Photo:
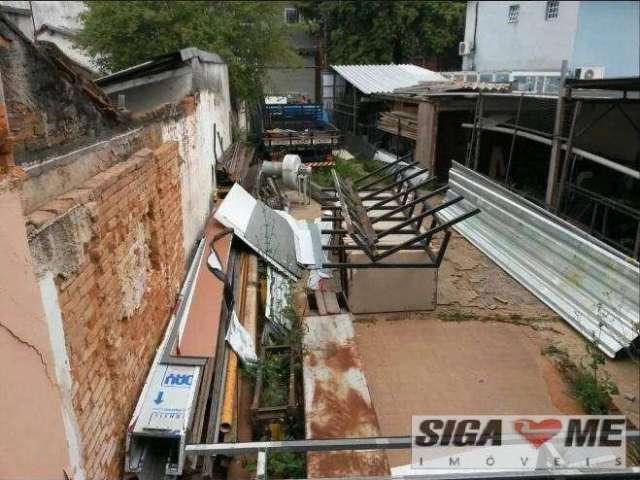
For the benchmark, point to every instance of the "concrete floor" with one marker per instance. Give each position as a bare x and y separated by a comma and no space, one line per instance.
478,352
422,366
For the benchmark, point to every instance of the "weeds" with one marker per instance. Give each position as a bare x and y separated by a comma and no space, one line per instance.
282,465
591,387
352,169
513,319
275,380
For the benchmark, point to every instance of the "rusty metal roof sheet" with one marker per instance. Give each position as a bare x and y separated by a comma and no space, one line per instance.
337,399
385,78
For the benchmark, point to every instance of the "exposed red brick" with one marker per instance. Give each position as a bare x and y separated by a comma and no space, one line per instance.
109,351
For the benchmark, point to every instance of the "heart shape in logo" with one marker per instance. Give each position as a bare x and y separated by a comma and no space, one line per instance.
537,433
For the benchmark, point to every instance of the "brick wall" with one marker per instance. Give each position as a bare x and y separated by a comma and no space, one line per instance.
49,112
117,298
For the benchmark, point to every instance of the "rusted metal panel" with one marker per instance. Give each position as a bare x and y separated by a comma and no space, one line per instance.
200,329
337,400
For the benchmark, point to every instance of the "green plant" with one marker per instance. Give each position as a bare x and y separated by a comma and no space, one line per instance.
346,169
592,388
404,30
281,465
275,380
247,35
286,465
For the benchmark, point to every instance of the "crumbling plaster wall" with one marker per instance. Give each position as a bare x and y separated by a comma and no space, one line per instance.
57,175
48,114
194,132
114,247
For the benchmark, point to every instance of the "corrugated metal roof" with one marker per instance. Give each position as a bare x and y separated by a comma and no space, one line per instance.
424,89
590,285
385,78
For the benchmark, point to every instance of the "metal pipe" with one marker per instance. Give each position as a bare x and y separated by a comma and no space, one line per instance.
581,153
513,141
429,212
420,171
323,445
428,234
567,157
399,194
410,204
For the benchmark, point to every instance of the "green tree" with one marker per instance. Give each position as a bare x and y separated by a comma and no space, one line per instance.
387,31
247,35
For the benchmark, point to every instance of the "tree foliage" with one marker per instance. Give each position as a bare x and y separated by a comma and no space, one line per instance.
247,35
387,31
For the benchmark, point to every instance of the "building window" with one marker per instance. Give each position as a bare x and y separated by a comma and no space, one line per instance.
514,12
291,15
552,10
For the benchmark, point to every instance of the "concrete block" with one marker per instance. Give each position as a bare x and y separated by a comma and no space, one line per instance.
378,290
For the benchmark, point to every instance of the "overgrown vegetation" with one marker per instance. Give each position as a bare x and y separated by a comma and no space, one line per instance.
351,169
247,35
590,386
405,31
275,371
282,465
275,380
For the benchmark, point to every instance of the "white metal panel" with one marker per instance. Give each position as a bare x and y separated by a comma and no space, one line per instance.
167,404
236,209
261,228
589,284
385,78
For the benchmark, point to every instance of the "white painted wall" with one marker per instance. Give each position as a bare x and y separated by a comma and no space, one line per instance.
532,43
53,315
56,13
194,134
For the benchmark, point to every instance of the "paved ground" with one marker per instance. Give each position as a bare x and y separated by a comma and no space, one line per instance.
478,352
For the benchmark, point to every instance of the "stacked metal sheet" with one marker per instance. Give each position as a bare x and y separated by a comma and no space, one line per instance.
592,286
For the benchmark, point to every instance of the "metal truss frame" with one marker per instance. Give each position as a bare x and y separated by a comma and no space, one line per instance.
351,218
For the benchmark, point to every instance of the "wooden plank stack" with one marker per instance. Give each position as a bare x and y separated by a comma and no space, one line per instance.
388,122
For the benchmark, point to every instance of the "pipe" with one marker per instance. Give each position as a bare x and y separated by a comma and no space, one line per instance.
231,378
582,153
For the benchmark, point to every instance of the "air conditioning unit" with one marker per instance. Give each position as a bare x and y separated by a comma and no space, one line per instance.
590,73
465,48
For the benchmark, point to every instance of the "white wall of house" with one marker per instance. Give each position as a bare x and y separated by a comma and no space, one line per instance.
194,134
59,14
531,43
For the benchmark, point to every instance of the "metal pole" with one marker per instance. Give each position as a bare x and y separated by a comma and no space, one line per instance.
470,144
476,157
355,109
398,141
567,156
261,467
323,445
513,140
554,160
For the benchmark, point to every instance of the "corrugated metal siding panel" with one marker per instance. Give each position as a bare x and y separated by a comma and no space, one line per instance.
591,286
385,78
